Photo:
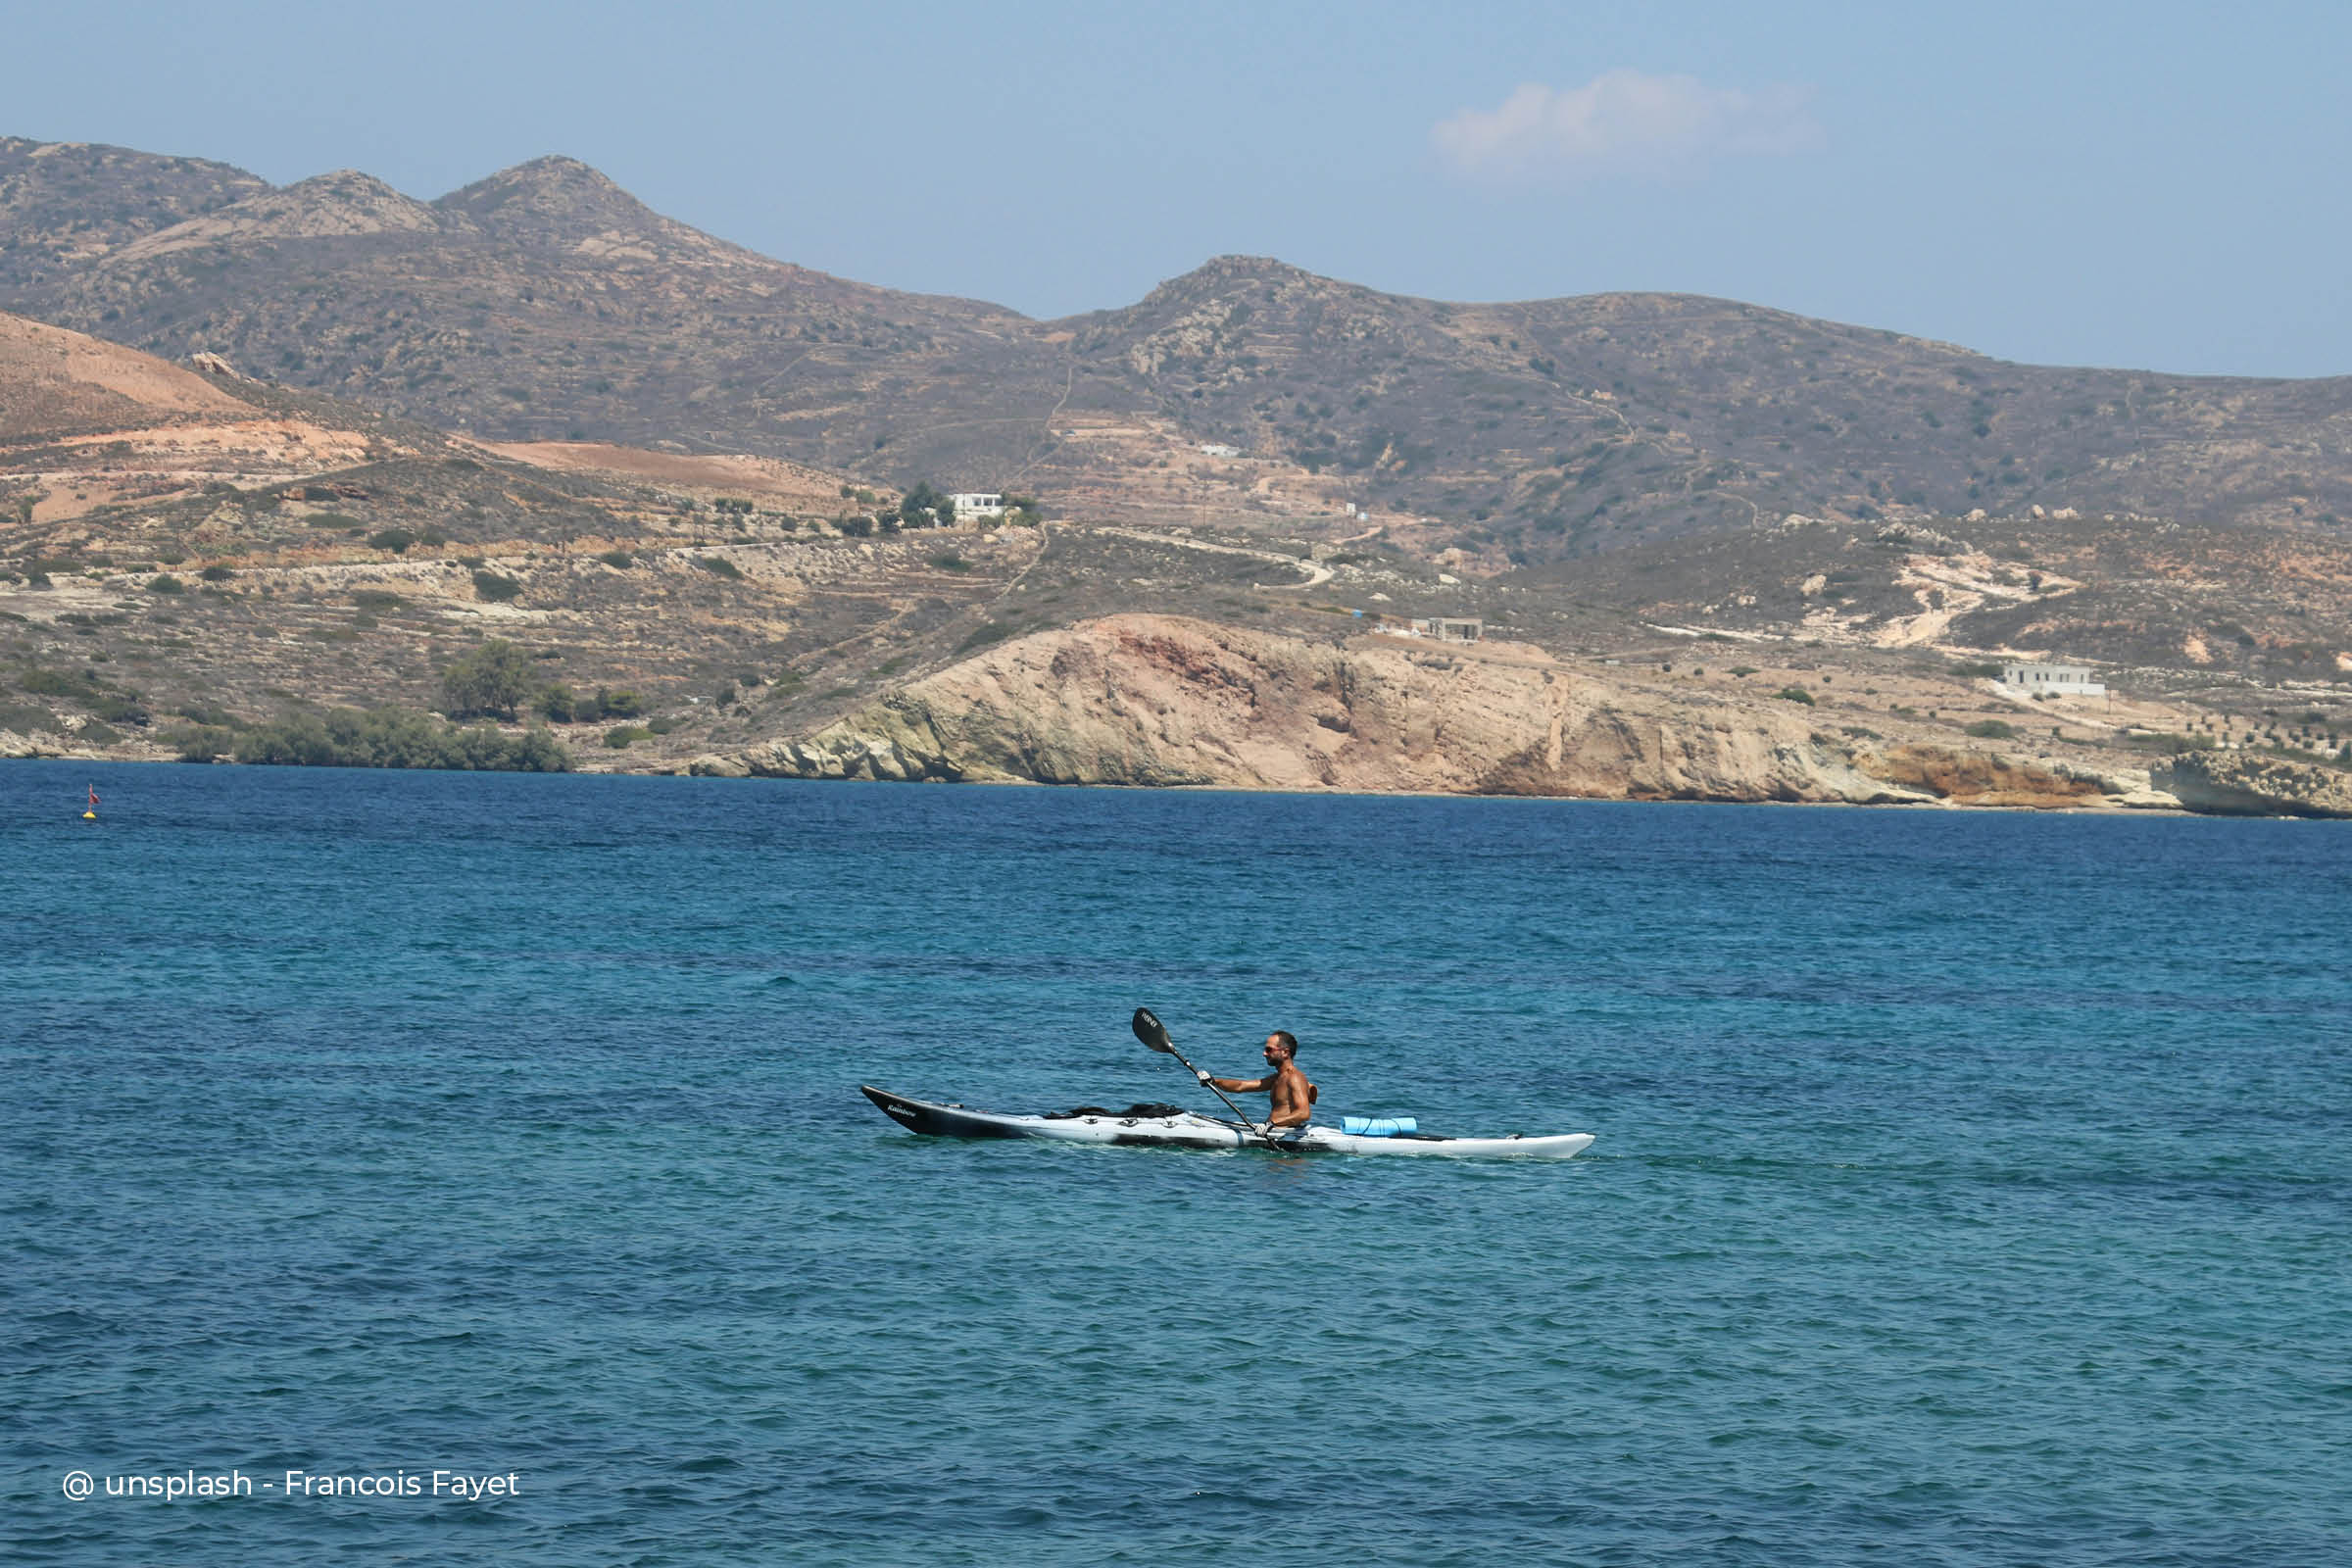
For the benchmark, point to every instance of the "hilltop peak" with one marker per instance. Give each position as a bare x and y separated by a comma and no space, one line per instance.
1260,279
344,202
1226,271
553,198
550,171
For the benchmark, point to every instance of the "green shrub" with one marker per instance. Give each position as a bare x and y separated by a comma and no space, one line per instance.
559,704
950,563
118,710
662,725
376,601
54,683
627,735
199,743
924,507
1992,729
622,704
494,588
617,560
719,566
163,582
217,572
96,734
395,540
1743,671
26,717
397,737
988,632
1794,694
494,678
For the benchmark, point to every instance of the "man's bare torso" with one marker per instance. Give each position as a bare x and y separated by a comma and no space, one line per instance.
1293,1096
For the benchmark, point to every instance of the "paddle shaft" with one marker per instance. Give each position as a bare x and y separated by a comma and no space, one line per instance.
1156,1037
1266,1132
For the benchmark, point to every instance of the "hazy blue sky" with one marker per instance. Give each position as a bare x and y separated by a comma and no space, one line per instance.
2150,184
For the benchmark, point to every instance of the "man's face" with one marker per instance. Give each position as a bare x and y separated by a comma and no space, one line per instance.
1276,1055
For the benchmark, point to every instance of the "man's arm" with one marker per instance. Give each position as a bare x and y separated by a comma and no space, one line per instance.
1240,1086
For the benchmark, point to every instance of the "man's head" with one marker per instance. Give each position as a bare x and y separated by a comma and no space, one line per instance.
1281,1047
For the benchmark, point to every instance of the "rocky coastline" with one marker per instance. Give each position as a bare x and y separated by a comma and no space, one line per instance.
1169,701
2250,784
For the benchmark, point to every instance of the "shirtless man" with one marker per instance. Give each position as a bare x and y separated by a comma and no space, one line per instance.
1294,1097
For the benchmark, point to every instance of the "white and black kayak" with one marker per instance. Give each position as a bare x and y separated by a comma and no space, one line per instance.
1168,1127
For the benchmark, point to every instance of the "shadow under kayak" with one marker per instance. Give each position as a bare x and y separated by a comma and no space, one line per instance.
1186,1130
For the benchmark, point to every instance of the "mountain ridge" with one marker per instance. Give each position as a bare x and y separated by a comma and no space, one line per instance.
544,302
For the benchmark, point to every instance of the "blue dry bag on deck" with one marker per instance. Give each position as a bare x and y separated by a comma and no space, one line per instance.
1378,1126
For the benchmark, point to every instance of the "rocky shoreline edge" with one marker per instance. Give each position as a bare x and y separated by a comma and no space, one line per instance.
1170,701
1167,702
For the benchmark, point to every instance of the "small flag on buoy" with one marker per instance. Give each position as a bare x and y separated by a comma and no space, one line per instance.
92,815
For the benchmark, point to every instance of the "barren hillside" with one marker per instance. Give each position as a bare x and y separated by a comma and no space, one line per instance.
544,302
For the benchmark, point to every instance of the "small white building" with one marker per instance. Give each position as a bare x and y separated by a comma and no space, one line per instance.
977,504
1219,449
2053,681
1443,628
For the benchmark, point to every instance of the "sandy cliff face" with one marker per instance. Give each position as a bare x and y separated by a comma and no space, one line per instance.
1156,700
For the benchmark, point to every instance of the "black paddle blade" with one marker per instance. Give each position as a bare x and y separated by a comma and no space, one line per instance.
1152,1032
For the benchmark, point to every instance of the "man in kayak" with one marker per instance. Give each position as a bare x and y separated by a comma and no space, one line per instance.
1294,1097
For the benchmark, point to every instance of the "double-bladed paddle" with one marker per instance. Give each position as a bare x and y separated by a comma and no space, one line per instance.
1152,1032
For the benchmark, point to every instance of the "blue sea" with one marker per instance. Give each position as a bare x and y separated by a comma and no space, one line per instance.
1969,1188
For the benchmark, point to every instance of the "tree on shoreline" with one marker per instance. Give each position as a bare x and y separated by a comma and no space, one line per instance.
494,679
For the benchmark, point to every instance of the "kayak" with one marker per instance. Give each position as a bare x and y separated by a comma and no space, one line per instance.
1169,1128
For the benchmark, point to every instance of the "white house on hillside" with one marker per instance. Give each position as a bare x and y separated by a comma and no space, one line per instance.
2053,681
977,504
1445,628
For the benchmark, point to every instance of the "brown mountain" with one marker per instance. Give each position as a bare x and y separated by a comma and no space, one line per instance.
545,303
63,205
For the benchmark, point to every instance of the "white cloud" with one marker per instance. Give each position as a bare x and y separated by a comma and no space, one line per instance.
1624,121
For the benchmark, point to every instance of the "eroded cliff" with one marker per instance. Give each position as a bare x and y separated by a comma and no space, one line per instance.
1161,700
2250,784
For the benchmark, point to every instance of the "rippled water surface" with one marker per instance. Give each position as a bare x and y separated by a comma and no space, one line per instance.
1969,1188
